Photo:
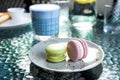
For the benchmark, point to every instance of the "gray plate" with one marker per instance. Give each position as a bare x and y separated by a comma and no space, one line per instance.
16,23
37,56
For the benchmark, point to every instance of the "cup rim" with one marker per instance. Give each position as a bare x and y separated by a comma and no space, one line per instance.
15,9
44,7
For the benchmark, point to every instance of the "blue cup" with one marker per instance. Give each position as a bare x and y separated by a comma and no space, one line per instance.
45,19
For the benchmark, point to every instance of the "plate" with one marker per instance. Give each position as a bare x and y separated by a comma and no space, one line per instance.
16,23
37,56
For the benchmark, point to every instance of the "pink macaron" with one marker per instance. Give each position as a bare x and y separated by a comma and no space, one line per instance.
77,49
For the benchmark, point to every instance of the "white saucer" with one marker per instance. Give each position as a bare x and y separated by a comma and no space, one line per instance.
37,56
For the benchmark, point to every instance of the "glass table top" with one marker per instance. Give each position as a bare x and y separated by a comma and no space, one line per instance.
15,64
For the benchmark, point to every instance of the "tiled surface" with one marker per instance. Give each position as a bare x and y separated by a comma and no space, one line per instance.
109,69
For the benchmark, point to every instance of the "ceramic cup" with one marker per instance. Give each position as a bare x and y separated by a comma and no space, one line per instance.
16,13
45,20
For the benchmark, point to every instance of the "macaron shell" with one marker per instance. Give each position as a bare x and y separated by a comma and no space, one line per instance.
85,47
57,53
74,50
56,49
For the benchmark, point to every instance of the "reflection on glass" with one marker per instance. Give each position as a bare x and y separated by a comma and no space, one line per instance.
82,17
80,31
82,11
112,19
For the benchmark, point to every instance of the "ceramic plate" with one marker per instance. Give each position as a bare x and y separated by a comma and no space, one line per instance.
16,23
37,56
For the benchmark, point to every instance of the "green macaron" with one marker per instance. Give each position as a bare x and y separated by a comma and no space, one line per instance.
56,52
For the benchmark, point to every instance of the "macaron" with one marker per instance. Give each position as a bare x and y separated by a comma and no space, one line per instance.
85,47
56,52
77,49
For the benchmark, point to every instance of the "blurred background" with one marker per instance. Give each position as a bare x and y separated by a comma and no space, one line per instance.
5,4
